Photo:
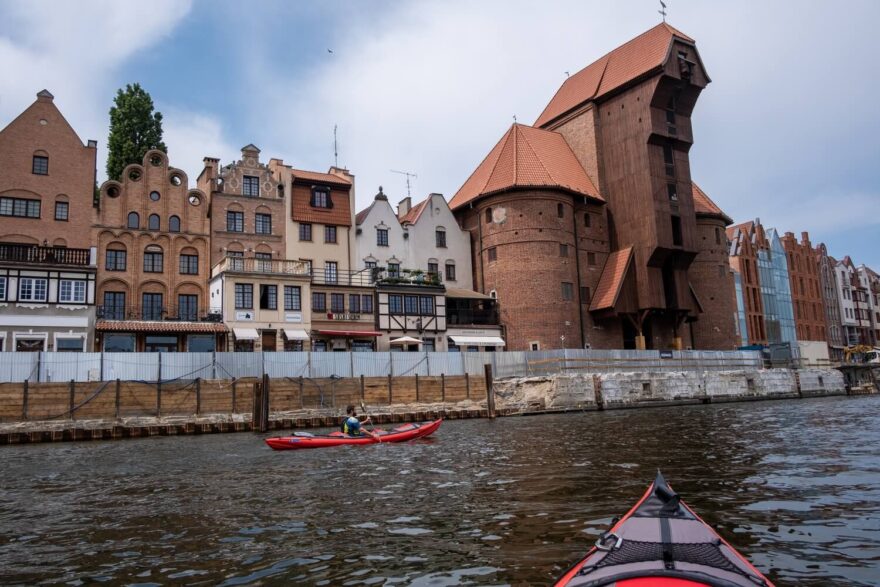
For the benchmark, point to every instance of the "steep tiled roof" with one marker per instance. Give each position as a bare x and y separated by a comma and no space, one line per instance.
611,280
527,157
147,326
362,215
317,176
704,205
623,65
413,215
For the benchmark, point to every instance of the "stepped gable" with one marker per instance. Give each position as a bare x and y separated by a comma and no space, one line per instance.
527,157
622,66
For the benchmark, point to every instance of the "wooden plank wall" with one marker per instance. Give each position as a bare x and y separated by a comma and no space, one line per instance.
112,399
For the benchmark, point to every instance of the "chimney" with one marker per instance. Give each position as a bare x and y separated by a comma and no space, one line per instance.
404,207
805,237
45,96
207,180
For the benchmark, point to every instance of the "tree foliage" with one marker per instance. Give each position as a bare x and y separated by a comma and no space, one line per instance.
134,129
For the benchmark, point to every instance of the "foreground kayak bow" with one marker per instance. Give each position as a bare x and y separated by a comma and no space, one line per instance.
661,542
399,434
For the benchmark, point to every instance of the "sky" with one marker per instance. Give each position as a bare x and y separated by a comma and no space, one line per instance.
788,131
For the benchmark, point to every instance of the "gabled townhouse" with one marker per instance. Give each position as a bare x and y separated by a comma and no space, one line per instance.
870,281
830,301
48,261
854,305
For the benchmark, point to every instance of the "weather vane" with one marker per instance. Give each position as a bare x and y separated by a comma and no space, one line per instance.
663,10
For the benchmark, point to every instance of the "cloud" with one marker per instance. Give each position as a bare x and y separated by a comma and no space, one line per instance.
192,136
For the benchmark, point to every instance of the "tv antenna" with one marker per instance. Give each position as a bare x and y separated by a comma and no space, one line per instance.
662,10
408,175
335,149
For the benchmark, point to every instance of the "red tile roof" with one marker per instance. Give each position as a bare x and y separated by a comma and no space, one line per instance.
415,212
362,215
704,205
303,175
146,326
611,280
527,157
621,66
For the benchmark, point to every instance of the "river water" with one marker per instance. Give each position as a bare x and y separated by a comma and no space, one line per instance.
794,485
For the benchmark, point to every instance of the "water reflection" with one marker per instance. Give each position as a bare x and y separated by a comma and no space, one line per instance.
795,485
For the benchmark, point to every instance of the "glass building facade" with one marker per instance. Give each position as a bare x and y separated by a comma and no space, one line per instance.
739,318
776,292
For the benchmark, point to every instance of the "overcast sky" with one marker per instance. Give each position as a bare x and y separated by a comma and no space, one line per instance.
788,130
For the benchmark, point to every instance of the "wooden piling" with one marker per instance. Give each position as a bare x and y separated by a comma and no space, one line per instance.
363,392
233,395
490,395
118,385
72,403
417,388
467,385
302,398
442,387
198,396
24,401
390,396
597,390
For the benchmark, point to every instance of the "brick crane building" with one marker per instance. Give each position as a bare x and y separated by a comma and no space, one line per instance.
594,210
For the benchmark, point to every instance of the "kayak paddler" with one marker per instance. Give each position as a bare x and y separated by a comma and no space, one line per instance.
352,425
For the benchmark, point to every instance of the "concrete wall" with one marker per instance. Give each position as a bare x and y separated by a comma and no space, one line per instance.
633,389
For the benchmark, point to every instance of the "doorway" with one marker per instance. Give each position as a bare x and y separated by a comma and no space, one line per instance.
269,338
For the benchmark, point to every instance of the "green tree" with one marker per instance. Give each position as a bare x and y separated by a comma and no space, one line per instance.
134,129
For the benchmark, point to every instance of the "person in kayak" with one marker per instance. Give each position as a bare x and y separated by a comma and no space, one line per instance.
352,425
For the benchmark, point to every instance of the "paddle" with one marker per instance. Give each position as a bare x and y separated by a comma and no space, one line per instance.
376,437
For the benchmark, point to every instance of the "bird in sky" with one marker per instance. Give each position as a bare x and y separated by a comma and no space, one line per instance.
329,50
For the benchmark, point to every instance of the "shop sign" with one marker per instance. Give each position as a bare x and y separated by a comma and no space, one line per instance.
296,317
344,316
244,316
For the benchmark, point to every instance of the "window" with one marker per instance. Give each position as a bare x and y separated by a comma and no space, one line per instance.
155,196
152,306
268,297
488,215
440,236
585,295
492,253
31,289
292,298
433,269
450,272
234,221
153,222
115,260
61,210
263,224
2,291
321,198
264,261
411,304
114,305
382,237
671,192
337,303
563,250
134,220
251,186
319,301
40,165
560,211
395,304
393,269
367,303
717,236
370,264
189,264
187,308
305,232
153,261
587,221
244,296
426,305
331,274
676,231
69,344
591,258
174,224
72,291
329,234
567,291
354,303
19,207
669,160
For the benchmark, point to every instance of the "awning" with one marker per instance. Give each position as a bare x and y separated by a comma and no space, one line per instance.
452,292
292,334
246,333
405,340
351,333
477,340
159,326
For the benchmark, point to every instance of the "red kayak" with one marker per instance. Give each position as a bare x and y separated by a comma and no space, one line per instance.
399,434
661,542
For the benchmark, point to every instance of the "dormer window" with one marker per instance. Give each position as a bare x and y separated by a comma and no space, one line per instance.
321,198
251,186
685,66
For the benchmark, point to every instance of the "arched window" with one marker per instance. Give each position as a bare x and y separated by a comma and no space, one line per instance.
154,222
153,259
134,220
450,270
174,224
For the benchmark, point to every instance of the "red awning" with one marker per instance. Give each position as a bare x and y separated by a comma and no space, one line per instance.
352,333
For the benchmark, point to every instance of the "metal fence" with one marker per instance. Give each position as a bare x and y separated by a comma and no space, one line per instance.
18,367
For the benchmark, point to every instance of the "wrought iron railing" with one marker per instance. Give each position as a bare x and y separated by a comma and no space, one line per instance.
182,313
19,253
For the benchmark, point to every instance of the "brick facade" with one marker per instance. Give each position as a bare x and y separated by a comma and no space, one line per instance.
806,291
744,260
712,281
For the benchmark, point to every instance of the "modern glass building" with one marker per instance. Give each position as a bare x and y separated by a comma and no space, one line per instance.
739,318
776,291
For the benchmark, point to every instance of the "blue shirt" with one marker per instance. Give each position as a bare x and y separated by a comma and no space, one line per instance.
353,426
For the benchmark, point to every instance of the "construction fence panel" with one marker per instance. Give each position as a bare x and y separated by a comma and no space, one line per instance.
408,364
187,366
239,365
330,365
131,366
371,364
70,366
19,367
286,364
449,364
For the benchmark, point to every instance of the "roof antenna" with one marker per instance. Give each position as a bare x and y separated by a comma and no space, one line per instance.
663,10
408,175
514,119
335,149
567,74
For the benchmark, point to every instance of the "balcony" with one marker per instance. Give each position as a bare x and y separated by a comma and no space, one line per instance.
37,255
266,266
467,312
407,277
159,313
360,278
